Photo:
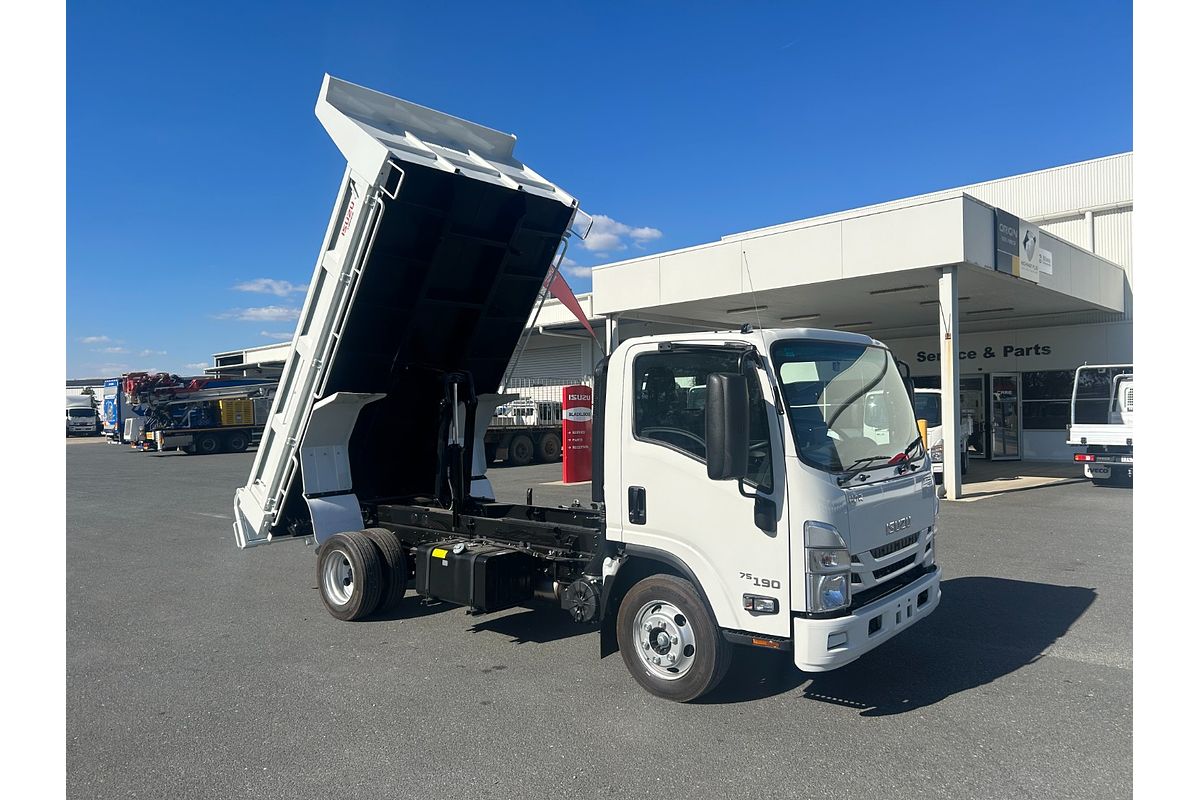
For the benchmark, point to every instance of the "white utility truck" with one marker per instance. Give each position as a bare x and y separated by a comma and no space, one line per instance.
760,514
1102,421
928,406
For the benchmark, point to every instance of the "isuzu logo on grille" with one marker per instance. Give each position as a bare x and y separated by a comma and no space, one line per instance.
897,525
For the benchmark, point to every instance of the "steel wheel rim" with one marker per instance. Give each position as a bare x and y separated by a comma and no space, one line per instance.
337,577
665,645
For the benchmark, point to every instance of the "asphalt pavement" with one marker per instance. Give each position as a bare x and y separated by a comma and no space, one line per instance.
195,670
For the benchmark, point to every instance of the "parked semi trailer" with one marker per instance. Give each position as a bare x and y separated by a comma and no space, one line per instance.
1102,421
736,498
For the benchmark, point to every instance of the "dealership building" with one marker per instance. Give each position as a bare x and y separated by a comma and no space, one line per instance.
1025,278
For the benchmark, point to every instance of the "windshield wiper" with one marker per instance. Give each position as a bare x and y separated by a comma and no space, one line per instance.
857,466
861,465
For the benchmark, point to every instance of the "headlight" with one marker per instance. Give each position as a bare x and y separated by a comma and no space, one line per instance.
828,592
827,564
935,452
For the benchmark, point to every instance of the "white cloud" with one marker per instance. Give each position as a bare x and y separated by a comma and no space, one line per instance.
608,235
262,314
109,350
95,339
281,336
271,286
198,365
148,353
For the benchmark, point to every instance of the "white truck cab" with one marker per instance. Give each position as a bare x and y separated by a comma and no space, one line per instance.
928,406
826,535
81,416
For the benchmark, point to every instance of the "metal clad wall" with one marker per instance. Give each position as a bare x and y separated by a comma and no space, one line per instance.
1114,238
1100,182
1074,230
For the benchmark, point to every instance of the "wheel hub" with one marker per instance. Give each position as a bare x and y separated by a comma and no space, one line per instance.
337,577
666,645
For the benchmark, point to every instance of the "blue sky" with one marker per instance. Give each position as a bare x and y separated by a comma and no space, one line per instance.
199,183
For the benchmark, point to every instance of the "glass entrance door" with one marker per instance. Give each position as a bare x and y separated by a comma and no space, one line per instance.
1005,393
970,392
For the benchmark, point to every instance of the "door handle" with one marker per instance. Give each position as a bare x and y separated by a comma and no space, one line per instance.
637,505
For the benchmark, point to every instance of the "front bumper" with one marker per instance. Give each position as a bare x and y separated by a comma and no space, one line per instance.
825,644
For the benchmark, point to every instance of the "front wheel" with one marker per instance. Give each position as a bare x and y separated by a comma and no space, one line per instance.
669,641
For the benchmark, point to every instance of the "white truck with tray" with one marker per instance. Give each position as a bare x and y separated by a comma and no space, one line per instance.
1102,421
737,498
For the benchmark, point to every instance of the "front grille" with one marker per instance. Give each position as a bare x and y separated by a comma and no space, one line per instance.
890,568
894,547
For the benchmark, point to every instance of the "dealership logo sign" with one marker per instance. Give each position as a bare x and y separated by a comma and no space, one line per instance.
578,414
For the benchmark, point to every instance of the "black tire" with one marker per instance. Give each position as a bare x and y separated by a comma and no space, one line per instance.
237,441
395,567
549,448
206,444
188,450
489,451
711,653
520,451
363,575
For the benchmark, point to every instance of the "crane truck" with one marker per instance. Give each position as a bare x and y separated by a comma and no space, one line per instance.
1102,421
737,499
202,415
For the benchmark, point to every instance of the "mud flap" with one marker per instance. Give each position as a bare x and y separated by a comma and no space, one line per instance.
325,464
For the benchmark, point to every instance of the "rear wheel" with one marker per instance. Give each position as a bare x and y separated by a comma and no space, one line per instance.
237,441
520,450
206,444
349,575
669,641
549,447
395,567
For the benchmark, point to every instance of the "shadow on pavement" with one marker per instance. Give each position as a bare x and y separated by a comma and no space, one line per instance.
538,625
984,629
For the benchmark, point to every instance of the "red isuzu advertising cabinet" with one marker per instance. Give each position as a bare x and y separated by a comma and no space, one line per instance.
577,434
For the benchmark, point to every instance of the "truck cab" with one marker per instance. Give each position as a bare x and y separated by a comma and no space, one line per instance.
803,505
81,420
928,406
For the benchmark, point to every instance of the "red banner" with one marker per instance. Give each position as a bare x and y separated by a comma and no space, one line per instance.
577,434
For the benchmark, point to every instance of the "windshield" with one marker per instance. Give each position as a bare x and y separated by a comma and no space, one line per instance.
928,408
80,412
846,402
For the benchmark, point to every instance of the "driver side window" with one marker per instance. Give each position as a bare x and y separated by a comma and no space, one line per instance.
669,400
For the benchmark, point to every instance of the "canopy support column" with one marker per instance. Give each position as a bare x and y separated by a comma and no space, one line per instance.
951,411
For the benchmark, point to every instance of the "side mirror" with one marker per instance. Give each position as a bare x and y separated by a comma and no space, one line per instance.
727,426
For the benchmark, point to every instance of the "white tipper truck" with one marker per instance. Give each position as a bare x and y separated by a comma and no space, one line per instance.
763,516
1102,421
